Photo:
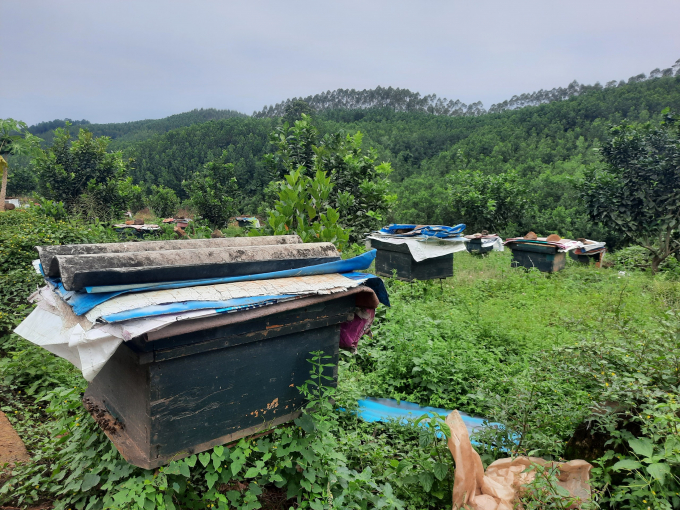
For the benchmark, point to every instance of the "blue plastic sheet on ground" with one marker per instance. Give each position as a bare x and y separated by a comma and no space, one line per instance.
231,305
386,409
83,302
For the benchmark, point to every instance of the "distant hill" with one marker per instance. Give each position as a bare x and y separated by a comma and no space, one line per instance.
124,133
403,100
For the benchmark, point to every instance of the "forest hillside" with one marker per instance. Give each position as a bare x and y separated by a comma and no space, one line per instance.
534,145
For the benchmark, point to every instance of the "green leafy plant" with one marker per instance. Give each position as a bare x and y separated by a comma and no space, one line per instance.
302,209
213,191
163,201
83,174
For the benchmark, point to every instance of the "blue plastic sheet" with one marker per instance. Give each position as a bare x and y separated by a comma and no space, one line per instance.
440,231
231,305
83,302
386,409
374,283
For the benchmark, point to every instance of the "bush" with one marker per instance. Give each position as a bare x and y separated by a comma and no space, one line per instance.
163,201
213,191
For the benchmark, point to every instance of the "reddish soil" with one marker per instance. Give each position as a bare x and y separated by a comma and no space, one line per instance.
12,448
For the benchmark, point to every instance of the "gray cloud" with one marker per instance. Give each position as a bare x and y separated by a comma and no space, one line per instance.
112,61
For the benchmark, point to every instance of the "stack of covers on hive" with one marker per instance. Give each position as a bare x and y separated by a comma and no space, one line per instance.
584,246
486,240
423,241
98,296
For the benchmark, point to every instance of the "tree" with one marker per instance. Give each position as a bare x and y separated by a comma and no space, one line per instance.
487,202
163,201
15,139
213,191
360,187
83,174
294,110
637,191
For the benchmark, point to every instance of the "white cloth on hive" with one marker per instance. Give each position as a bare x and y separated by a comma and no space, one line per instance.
428,248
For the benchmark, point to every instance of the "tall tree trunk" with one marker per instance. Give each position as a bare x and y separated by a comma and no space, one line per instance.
3,190
656,260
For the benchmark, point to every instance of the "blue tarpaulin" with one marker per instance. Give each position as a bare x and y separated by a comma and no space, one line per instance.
231,305
386,409
440,231
83,302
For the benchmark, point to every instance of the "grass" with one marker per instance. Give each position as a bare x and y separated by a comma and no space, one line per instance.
539,353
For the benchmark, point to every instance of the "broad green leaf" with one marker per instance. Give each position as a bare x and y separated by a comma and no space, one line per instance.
643,447
204,458
628,464
252,472
89,481
659,470
184,469
211,478
440,470
426,480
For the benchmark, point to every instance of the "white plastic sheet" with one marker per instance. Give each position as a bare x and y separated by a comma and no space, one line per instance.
423,249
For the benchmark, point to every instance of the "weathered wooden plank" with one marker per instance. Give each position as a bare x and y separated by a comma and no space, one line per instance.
78,271
222,342
299,319
118,400
47,254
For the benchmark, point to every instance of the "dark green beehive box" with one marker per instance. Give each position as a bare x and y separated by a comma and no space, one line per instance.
475,247
543,257
390,257
163,399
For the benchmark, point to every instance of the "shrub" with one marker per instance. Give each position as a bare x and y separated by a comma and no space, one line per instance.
163,201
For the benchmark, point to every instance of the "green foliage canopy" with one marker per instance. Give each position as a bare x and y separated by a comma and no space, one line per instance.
360,190
488,202
82,172
637,192
213,191
163,201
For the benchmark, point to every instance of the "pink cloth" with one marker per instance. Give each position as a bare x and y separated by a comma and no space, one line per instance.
352,331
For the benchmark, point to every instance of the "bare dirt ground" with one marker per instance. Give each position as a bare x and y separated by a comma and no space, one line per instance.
12,448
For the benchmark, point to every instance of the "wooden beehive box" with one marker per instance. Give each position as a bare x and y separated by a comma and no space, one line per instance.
168,398
475,246
543,257
390,257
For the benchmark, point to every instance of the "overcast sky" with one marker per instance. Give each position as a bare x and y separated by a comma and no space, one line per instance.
120,60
